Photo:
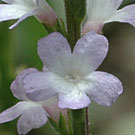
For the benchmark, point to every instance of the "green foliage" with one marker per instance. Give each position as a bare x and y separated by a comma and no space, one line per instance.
62,126
53,124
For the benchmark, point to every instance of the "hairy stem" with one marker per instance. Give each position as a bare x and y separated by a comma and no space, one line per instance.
73,23
78,121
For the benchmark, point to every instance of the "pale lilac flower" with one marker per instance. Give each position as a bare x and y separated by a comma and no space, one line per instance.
72,76
22,9
100,12
32,114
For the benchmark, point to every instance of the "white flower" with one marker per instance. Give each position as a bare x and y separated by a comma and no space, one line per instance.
71,76
100,12
22,9
32,114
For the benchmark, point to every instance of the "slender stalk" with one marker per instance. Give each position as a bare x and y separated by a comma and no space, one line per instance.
78,121
87,122
73,26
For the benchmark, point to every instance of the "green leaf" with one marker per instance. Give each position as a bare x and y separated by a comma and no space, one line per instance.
53,124
62,126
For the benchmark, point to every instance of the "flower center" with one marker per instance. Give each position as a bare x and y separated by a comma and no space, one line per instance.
72,79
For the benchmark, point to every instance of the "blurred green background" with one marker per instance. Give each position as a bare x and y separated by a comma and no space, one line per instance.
18,50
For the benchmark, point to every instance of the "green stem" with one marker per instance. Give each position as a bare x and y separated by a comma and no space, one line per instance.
87,123
78,121
73,26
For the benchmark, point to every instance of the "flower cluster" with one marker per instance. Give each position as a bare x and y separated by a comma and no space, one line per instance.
22,9
32,114
69,79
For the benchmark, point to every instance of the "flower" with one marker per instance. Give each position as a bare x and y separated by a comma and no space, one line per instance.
32,114
100,12
71,76
22,9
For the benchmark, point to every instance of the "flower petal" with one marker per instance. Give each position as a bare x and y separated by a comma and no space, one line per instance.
51,48
45,69
34,117
32,12
103,4
39,85
98,12
106,88
51,105
91,50
12,11
116,3
73,100
60,12
125,15
45,13
17,87
11,113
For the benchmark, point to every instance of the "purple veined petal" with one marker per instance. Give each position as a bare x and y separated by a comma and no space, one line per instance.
35,117
11,113
12,11
124,15
22,9
39,85
106,88
17,87
91,50
31,13
52,104
32,116
52,49
73,100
